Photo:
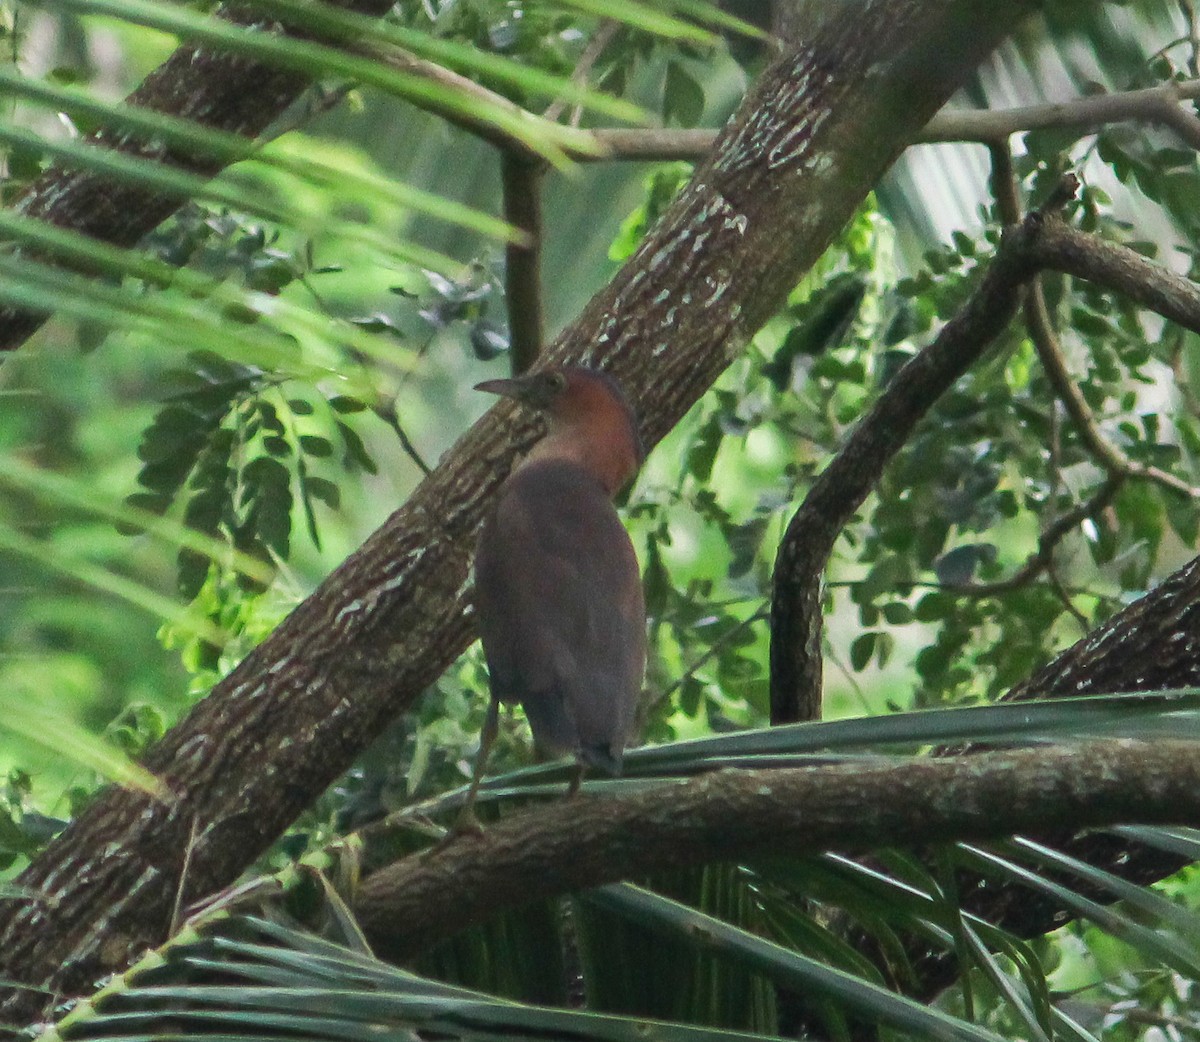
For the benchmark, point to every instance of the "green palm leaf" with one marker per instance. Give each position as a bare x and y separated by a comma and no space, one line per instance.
897,735
287,984
784,967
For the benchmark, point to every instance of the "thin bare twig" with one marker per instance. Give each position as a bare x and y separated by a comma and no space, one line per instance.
713,650
390,416
601,38
1042,558
1107,454
1064,596
181,886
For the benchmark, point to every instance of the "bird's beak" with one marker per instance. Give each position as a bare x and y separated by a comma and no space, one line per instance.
510,388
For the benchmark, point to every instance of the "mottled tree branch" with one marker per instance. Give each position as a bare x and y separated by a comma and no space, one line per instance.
740,815
812,138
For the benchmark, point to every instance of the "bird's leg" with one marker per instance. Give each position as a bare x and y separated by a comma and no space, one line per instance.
577,773
467,821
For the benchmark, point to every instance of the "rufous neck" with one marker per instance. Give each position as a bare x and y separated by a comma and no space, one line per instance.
609,454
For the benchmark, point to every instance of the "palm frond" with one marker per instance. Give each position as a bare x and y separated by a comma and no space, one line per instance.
62,493
171,182
1182,841
898,735
279,982
184,322
316,170
1182,924
137,594
551,140
1170,951
645,17
29,713
786,968
710,14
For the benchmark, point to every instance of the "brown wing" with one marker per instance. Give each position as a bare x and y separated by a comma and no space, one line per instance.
560,611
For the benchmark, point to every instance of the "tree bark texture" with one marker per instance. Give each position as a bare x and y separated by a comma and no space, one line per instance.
219,91
811,139
743,815
1152,645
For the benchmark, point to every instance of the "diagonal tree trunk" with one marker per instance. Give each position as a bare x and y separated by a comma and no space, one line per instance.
810,141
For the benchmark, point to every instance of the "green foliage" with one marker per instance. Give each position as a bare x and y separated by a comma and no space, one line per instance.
661,186
229,446
267,371
760,946
23,831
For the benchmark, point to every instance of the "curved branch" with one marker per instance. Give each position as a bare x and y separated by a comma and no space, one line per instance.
796,617
1039,243
1107,455
1043,557
581,842
809,142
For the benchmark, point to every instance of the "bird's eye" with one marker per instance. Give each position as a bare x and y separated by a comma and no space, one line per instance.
556,381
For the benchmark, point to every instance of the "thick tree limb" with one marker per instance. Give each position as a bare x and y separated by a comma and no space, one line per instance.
811,139
218,91
1039,243
1152,645
740,815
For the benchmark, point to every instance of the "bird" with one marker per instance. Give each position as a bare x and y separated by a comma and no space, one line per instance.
558,595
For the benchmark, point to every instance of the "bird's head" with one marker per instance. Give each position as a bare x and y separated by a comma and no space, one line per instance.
588,418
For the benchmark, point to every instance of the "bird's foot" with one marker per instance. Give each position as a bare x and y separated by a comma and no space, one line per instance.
577,773
466,824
